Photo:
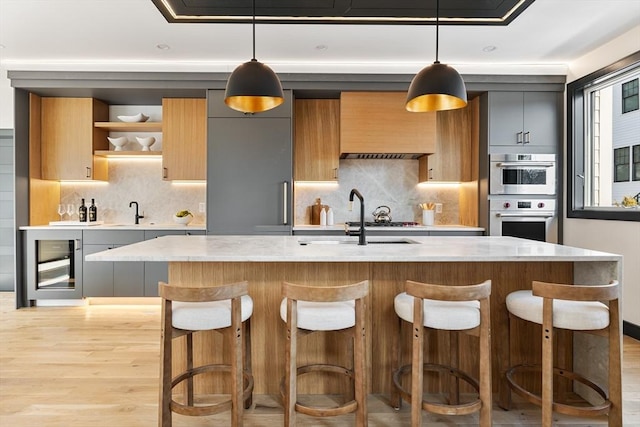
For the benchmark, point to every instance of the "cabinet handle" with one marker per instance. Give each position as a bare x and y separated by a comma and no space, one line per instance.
165,173
285,189
76,244
431,173
519,138
88,172
335,173
527,137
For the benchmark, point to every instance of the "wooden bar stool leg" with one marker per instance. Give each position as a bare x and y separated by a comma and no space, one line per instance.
290,364
164,415
454,382
247,357
504,363
188,392
547,362
351,358
417,360
396,363
615,368
360,366
237,381
485,364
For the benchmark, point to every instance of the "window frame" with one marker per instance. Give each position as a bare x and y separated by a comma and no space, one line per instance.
623,153
634,95
576,145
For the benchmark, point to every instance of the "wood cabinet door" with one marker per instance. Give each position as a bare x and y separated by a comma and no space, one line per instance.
377,122
68,138
184,138
316,139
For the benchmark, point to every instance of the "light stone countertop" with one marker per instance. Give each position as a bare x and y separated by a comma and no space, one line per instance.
340,227
147,226
288,249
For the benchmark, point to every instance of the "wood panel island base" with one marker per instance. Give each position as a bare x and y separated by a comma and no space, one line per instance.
266,261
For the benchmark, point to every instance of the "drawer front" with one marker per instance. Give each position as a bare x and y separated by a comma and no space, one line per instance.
113,237
152,234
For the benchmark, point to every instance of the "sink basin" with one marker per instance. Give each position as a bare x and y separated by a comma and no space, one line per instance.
352,241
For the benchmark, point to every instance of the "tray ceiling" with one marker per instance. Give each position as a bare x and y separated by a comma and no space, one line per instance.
475,12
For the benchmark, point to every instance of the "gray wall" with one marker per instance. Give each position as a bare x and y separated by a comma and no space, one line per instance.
7,243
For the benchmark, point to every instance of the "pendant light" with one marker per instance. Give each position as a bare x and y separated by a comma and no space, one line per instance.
438,86
253,87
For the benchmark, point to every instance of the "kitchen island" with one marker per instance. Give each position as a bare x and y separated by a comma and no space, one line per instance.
265,261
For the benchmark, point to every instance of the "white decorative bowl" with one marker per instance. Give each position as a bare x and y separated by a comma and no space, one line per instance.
132,119
146,142
118,142
184,220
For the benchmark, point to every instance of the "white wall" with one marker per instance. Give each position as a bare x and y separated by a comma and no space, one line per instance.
6,101
621,237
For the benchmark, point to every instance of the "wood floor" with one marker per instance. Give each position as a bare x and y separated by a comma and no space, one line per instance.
98,366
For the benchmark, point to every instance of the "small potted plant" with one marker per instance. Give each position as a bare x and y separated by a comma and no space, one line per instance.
183,217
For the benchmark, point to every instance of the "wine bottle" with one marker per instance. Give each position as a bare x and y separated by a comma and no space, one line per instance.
82,212
93,211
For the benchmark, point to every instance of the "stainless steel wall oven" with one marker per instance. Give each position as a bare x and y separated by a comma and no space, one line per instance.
534,219
520,174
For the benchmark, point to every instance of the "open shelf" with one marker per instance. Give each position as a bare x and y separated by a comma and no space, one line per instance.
113,153
130,127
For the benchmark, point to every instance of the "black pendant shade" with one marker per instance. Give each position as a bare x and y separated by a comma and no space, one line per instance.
438,86
253,87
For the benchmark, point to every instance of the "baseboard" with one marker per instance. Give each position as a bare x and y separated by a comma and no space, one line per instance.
631,330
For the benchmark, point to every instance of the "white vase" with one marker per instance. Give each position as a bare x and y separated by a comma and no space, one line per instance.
427,217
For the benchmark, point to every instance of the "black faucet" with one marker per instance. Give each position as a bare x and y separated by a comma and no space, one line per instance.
137,216
362,240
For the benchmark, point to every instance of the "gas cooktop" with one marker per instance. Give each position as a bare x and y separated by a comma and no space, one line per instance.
383,224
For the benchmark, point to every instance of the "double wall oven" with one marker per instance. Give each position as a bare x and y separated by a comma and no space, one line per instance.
522,196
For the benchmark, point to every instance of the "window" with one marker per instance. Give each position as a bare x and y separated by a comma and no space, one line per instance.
636,163
603,143
630,96
621,164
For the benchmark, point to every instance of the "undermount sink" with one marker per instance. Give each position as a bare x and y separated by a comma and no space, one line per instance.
352,241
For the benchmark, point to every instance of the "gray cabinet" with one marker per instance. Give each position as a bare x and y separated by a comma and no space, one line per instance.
157,271
249,172
108,279
525,119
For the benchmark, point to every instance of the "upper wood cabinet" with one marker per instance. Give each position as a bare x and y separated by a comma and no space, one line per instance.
316,139
456,154
184,138
377,122
68,139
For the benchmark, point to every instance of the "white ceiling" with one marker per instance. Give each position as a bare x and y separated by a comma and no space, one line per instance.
124,35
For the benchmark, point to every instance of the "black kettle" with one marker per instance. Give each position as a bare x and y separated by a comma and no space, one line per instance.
382,214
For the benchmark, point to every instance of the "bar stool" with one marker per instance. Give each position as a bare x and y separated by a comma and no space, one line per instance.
224,309
575,308
308,309
455,309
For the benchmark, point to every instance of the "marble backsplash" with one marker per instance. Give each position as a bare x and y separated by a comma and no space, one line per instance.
393,183
137,180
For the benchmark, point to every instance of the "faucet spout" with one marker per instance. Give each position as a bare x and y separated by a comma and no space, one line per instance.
137,221
362,240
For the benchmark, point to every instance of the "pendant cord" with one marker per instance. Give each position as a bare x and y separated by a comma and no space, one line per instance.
254,30
437,27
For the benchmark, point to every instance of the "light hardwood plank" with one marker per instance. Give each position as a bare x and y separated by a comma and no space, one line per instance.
98,366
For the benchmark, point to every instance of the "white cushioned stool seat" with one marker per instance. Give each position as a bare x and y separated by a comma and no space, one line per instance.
202,316
574,315
444,315
322,316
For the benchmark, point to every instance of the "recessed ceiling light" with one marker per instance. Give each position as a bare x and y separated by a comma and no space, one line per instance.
163,46
489,48
322,47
